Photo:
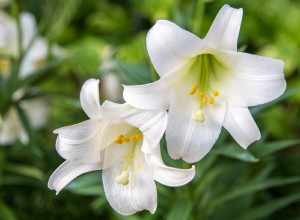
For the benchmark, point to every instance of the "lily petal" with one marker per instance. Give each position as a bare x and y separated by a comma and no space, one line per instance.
68,171
89,98
240,124
150,96
170,46
190,139
28,26
36,54
166,175
252,80
110,132
80,142
140,192
8,34
152,123
224,31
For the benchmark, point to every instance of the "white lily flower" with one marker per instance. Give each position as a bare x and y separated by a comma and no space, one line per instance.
36,109
11,127
9,43
123,142
206,84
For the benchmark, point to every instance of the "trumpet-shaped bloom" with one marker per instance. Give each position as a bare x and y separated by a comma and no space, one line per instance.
11,127
206,84
123,142
9,43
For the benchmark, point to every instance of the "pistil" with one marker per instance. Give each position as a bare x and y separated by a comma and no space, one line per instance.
123,178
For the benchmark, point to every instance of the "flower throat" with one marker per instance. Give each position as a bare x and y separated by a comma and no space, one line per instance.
133,136
203,89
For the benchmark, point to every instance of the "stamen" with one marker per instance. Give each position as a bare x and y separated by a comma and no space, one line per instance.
123,178
136,137
211,100
204,100
193,90
118,141
125,139
216,93
201,94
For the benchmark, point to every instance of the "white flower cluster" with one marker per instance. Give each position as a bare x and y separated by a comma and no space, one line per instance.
205,84
36,110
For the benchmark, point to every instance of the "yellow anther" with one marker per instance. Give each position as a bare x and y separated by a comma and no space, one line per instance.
133,138
120,137
204,100
211,100
118,141
193,90
138,136
216,93
125,139
201,94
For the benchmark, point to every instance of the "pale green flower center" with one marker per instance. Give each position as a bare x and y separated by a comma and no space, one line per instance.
204,67
4,66
133,136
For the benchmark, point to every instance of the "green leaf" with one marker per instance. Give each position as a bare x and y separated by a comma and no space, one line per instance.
262,150
236,152
252,187
26,171
180,210
6,213
135,73
264,211
85,56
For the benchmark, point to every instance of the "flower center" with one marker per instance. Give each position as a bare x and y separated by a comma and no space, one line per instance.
205,92
133,136
4,66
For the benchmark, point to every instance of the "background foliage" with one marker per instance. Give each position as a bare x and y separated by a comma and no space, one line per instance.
108,37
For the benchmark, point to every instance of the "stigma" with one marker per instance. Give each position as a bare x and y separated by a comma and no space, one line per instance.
123,178
198,116
204,99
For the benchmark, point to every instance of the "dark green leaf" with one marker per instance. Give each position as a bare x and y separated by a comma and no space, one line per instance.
180,210
252,187
236,152
6,213
263,211
262,150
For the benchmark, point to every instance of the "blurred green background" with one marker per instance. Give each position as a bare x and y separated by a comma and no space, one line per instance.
106,39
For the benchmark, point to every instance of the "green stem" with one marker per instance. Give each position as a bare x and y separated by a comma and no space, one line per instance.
199,6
